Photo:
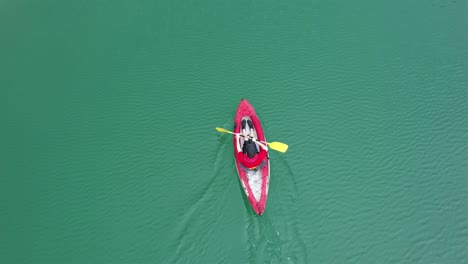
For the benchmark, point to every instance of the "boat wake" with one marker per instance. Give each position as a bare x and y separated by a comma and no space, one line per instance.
275,237
196,215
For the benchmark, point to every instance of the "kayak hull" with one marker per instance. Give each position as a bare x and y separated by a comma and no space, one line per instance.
254,174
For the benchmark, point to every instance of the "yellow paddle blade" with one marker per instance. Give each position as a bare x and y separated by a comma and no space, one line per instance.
222,130
281,147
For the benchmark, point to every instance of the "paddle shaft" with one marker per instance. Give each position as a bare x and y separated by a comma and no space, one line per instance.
255,139
281,147
239,134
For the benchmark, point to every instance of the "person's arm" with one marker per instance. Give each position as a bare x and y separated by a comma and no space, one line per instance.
238,144
261,144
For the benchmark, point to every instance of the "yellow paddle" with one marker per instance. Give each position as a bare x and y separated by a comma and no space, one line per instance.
281,147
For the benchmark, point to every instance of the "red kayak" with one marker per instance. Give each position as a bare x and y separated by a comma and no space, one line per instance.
253,166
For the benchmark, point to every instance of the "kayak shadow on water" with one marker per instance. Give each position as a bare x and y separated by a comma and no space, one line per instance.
221,158
290,173
223,139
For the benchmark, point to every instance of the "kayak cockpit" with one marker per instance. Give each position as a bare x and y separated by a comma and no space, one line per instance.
254,161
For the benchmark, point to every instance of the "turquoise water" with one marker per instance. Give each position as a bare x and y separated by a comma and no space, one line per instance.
110,153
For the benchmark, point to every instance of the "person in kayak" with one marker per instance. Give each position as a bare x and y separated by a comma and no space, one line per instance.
249,148
250,142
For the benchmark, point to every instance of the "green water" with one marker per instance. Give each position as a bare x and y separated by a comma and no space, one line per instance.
109,152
